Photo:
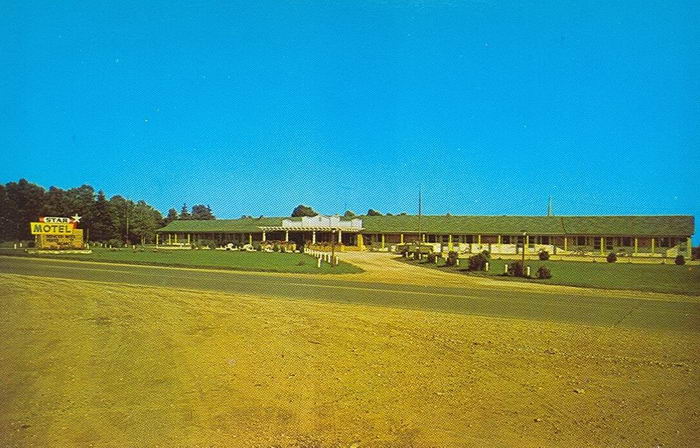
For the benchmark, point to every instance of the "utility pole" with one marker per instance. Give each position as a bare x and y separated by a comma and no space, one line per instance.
126,212
420,213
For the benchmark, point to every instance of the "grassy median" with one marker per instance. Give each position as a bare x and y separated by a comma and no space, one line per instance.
663,278
218,259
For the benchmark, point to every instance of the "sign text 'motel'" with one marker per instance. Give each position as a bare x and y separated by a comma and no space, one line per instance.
42,228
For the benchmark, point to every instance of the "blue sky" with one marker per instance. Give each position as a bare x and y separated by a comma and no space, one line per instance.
255,107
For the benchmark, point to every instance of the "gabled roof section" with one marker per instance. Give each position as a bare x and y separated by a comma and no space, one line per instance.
675,225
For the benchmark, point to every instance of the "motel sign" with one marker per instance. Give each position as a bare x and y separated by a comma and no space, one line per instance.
56,233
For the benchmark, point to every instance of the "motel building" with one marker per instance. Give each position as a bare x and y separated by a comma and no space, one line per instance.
633,236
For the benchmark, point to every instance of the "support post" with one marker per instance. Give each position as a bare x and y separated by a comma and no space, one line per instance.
340,236
382,241
170,238
499,240
602,245
175,238
402,238
566,243
449,242
636,245
250,239
156,240
264,236
527,243
689,249
478,239
189,238
360,241
653,245
313,237
286,235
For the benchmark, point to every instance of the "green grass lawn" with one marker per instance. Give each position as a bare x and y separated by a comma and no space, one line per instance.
667,278
219,259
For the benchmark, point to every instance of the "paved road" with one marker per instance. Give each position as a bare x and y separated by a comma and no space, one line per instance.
588,307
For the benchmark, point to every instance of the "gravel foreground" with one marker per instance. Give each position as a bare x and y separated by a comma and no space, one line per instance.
95,364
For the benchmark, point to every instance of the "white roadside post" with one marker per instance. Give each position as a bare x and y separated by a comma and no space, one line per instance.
318,263
505,268
486,266
527,271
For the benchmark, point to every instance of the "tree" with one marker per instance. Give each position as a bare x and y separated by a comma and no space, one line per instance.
102,228
202,212
121,210
81,201
172,216
26,201
184,213
372,212
7,230
56,203
349,214
303,210
144,222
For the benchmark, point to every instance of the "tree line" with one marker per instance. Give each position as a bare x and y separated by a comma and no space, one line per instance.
115,220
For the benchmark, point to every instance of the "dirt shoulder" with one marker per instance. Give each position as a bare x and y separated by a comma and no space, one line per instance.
117,365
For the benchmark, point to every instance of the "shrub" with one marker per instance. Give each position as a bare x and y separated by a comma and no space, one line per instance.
486,254
544,272
432,258
478,262
680,260
544,255
114,243
612,257
451,258
517,269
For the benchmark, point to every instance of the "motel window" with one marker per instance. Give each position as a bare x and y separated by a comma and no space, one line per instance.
667,242
505,239
596,242
580,240
467,238
609,241
544,240
626,241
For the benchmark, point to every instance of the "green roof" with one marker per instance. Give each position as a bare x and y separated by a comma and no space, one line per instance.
540,225
485,225
222,225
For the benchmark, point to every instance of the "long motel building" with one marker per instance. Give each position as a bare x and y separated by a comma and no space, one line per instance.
635,236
